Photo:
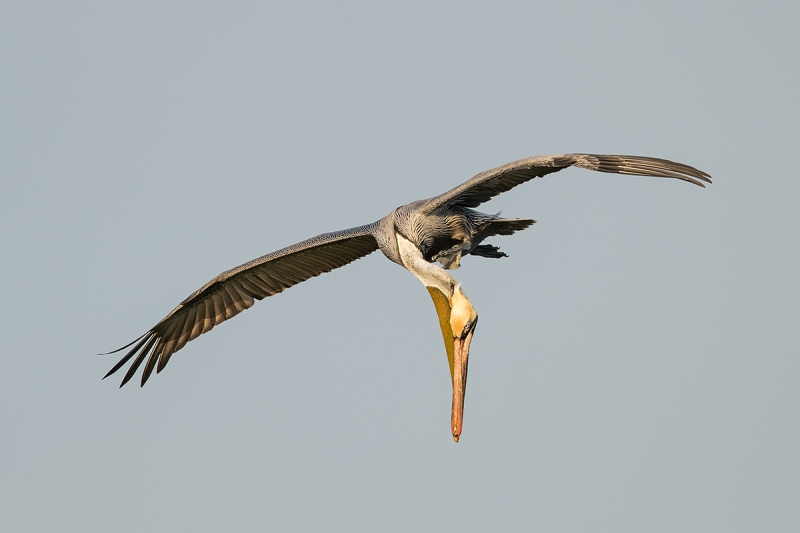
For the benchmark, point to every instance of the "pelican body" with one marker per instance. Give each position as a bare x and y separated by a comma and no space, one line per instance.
416,236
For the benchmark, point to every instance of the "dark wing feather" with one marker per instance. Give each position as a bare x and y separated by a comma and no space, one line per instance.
233,291
489,184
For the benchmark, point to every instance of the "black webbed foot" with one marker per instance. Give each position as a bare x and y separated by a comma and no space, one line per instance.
487,250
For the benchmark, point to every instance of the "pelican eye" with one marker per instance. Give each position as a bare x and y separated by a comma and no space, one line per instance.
468,327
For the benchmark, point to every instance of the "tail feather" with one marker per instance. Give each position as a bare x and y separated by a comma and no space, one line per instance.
506,226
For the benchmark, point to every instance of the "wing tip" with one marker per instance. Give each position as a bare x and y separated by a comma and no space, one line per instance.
134,341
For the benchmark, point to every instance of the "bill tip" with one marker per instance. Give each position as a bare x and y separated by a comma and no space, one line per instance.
455,437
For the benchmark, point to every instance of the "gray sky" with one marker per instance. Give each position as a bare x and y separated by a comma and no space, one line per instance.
636,363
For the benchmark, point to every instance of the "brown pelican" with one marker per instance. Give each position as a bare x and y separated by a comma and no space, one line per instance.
440,230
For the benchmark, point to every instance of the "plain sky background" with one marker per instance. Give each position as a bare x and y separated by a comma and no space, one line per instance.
637,362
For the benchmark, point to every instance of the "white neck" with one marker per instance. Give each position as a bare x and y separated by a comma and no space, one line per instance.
429,274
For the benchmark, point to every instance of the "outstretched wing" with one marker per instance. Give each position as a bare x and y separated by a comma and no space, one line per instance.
233,291
489,184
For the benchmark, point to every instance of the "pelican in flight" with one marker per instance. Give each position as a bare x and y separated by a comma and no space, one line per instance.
416,236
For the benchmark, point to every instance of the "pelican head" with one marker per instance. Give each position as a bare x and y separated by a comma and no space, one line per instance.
463,319
457,319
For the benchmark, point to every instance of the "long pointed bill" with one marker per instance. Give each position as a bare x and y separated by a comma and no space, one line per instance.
457,346
460,364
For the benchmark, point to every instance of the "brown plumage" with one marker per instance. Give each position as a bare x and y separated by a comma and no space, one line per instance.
443,229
